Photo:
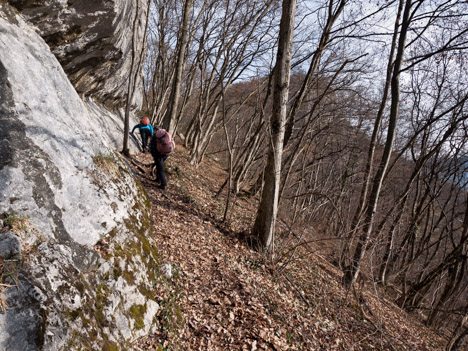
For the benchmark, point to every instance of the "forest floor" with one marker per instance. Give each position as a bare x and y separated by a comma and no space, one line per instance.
223,295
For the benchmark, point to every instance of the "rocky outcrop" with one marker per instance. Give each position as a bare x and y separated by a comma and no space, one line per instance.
92,40
77,268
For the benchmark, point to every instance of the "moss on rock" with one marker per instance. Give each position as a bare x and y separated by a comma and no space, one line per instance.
138,314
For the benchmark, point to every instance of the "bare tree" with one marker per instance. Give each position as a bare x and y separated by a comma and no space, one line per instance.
264,227
352,272
170,119
160,63
377,123
134,73
223,53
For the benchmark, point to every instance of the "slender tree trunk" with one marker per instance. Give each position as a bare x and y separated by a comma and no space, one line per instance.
333,14
453,282
131,85
170,119
134,72
230,154
353,270
264,227
373,142
454,257
460,333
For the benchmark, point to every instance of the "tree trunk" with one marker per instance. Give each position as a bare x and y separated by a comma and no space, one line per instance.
460,333
333,15
353,270
264,227
378,121
134,72
131,85
170,119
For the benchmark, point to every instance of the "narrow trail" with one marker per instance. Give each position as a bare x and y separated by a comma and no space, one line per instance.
224,296
219,307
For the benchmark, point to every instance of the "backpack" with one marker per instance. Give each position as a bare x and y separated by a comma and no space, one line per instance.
144,121
162,142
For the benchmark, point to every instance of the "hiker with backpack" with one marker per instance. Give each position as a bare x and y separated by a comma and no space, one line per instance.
161,146
146,131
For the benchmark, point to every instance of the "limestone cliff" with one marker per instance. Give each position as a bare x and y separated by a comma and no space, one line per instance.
92,41
75,263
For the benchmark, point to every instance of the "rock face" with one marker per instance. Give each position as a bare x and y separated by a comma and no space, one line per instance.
74,220
92,40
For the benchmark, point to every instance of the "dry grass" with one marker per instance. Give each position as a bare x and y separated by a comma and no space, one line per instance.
17,223
107,164
9,265
8,272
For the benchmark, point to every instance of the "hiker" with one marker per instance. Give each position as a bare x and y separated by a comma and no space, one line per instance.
161,146
146,131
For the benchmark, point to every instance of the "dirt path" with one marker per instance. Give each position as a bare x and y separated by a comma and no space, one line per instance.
219,307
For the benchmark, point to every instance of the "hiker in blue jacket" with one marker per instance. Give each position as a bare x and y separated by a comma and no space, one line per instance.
146,131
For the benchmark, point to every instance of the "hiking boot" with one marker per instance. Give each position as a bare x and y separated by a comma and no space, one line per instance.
162,187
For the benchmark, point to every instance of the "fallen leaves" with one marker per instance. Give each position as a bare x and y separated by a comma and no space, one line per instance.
231,298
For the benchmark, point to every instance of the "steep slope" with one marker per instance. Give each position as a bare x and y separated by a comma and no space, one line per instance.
224,296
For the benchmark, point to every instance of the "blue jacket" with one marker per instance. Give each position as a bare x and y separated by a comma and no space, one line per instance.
141,126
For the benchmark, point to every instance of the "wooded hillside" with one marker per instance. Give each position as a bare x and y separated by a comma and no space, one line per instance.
343,121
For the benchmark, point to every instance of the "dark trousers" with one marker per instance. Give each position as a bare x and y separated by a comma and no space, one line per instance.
160,175
145,134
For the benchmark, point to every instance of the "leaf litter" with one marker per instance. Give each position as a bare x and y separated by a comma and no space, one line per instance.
226,296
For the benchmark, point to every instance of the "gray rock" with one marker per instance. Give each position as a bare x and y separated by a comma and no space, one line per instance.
92,41
72,292
22,311
10,245
167,270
